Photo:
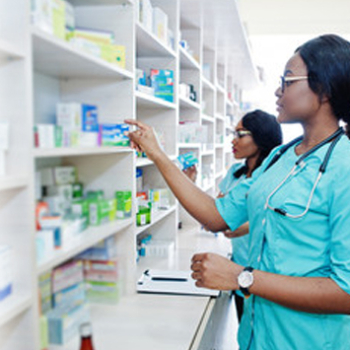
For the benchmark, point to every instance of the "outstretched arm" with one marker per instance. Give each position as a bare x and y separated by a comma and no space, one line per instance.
200,205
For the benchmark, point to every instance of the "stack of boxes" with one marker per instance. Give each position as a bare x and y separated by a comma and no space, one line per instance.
149,202
57,18
77,126
100,44
160,83
69,307
65,292
63,212
5,272
155,21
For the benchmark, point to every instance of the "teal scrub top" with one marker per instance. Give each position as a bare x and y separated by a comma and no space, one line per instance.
315,245
240,245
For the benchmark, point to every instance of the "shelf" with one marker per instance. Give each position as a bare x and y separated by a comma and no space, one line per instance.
189,145
207,84
148,101
14,305
220,117
219,145
220,89
207,118
89,238
55,57
219,174
207,153
12,182
186,103
78,151
157,217
187,61
8,50
141,162
148,45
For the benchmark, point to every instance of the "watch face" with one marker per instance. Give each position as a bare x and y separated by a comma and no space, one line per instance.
245,279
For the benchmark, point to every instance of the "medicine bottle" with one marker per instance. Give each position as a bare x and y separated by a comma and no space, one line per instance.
86,336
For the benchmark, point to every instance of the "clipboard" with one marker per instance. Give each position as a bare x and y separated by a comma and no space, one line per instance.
171,282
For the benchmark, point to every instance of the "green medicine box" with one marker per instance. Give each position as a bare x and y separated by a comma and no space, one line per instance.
124,204
101,211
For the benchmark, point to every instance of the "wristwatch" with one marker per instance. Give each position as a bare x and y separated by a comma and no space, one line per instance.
245,280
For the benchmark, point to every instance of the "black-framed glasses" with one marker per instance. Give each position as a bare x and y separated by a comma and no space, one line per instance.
289,80
238,134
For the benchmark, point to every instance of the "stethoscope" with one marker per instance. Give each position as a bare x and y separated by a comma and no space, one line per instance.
300,163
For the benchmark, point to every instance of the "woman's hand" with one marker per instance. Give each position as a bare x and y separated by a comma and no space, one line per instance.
144,139
191,173
215,272
241,231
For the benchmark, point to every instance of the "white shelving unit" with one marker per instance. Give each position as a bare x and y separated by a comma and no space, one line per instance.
38,70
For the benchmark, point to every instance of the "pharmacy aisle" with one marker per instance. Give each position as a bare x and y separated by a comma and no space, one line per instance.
81,214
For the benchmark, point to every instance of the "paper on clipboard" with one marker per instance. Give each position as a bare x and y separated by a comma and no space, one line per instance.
171,282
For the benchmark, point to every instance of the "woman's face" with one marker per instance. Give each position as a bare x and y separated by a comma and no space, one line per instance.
243,145
297,102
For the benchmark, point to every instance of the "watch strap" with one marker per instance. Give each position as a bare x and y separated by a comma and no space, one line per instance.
245,291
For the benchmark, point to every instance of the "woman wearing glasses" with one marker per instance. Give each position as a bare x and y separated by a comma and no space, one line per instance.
297,280
255,136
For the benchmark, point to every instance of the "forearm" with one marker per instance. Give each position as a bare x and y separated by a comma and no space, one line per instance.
200,205
307,294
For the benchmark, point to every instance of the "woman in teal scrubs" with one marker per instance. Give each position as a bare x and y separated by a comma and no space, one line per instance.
298,206
255,136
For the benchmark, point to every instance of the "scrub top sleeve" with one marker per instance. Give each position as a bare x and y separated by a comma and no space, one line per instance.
340,230
233,207
224,185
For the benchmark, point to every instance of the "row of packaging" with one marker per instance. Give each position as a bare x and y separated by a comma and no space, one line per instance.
157,82
58,18
78,124
155,21
193,132
64,210
65,292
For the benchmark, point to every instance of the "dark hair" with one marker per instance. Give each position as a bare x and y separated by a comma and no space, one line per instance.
327,59
266,133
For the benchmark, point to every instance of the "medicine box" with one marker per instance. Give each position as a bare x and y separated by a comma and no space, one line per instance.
162,80
67,275
104,250
101,211
114,135
160,24
77,116
64,325
160,248
69,298
124,204
186,160
59,18
146,14
45,292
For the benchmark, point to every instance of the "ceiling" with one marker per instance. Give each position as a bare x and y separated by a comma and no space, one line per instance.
295,17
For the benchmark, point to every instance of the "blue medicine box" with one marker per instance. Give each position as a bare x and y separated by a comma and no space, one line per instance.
162,80
89,118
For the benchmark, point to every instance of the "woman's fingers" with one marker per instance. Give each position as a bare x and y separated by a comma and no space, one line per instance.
137,123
